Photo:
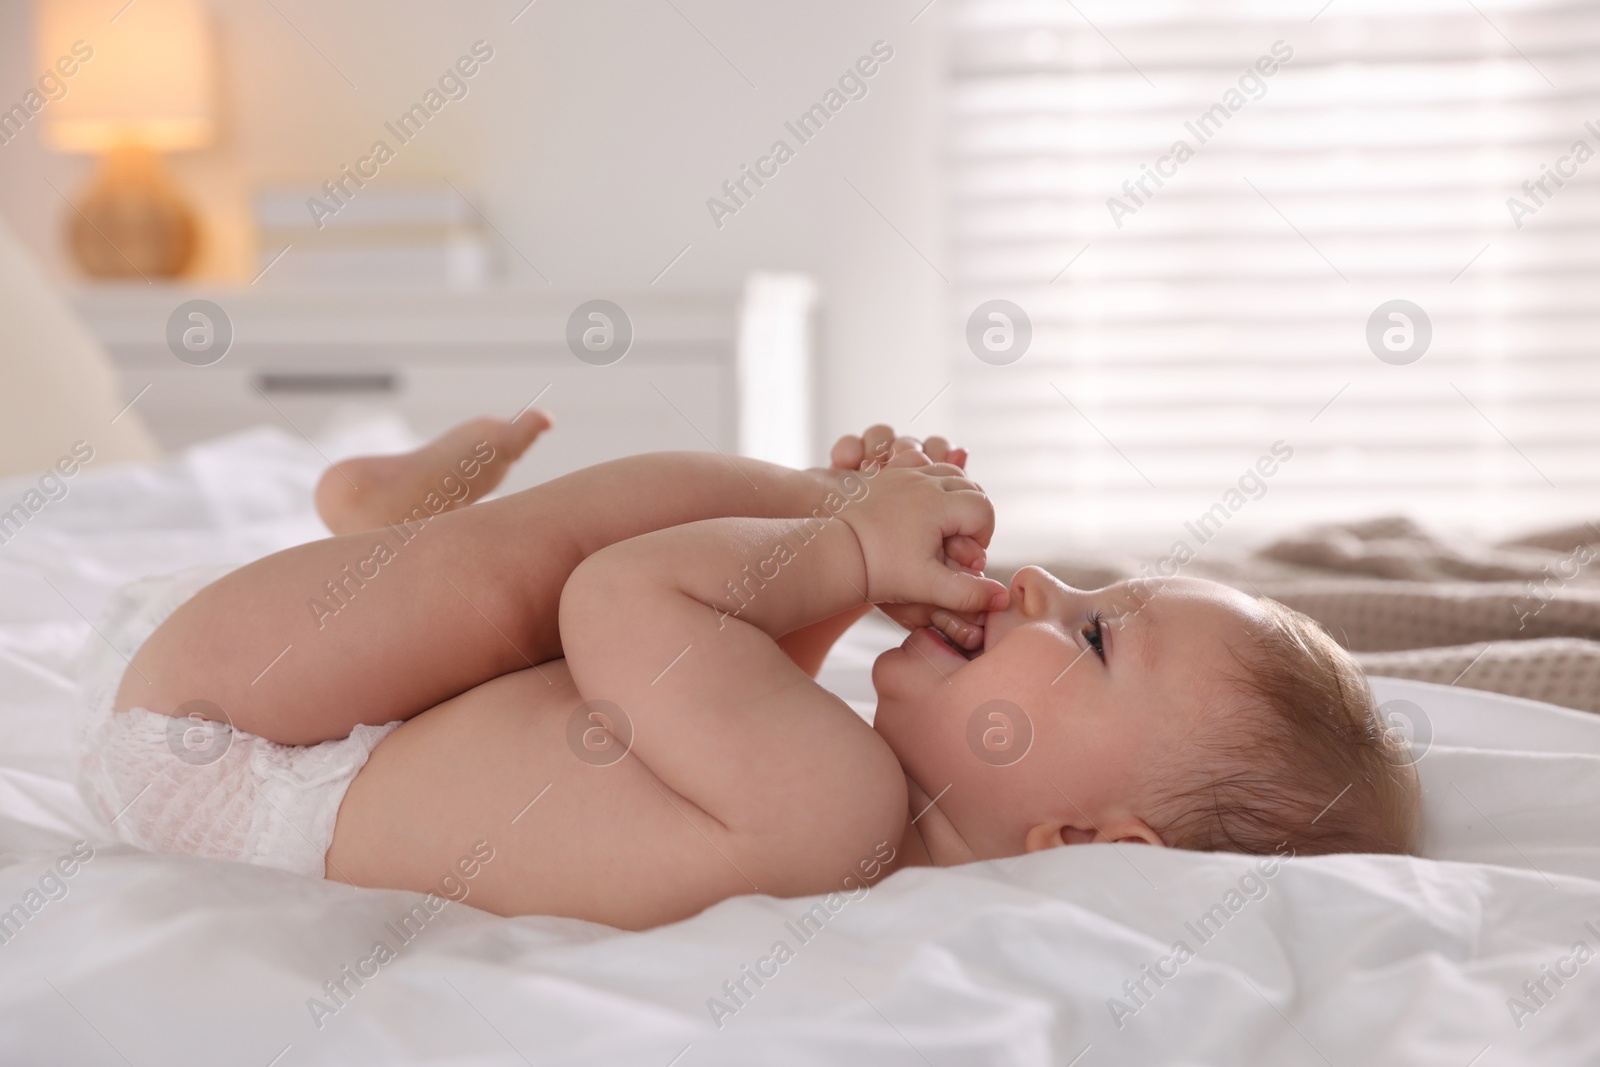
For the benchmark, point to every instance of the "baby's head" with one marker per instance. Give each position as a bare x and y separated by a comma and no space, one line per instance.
1180,712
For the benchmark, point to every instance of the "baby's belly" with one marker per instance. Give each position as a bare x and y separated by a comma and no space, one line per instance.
519,798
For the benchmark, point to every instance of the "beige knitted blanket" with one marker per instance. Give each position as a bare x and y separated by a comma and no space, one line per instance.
1520,617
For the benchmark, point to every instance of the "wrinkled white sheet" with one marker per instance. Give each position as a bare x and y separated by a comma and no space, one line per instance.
1338,960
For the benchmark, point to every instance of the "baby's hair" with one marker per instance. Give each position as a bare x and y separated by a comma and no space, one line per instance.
1316,770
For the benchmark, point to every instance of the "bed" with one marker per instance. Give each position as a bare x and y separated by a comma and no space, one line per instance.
1479,954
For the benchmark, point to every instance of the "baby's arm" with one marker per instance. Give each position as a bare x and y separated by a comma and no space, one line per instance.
776,772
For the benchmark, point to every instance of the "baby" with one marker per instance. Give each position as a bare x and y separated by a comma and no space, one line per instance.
595,698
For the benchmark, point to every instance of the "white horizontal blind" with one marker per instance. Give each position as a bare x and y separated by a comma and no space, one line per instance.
1229,310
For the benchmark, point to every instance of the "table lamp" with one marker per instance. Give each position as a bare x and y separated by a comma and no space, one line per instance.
146,90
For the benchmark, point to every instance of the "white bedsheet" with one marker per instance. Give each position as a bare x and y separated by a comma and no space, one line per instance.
1336,960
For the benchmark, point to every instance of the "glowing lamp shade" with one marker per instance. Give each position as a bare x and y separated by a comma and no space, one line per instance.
145,88
149,83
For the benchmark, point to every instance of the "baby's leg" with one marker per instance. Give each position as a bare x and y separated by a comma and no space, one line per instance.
371,627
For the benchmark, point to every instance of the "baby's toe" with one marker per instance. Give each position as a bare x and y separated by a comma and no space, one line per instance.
878,442
526,428
848,453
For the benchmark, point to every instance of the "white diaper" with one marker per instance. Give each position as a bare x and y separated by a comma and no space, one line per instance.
194,787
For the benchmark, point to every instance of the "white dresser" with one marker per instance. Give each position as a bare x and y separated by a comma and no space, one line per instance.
301,359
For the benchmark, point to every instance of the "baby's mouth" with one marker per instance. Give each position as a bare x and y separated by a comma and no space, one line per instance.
965,653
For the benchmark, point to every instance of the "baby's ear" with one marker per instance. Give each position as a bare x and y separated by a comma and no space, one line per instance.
1125,830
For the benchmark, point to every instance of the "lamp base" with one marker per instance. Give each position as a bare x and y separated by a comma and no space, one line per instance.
132,221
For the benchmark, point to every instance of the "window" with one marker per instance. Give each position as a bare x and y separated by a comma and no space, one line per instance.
1205,209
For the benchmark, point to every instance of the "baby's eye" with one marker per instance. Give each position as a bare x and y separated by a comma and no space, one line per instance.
1093,633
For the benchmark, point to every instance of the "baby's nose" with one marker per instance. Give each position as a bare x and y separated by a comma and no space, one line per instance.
1031,589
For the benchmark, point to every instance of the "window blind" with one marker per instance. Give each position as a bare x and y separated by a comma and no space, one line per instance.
1205,210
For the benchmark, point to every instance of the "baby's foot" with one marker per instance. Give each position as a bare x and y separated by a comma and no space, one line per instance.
367,492
879,444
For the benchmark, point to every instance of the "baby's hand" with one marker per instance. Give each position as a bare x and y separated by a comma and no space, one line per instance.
914,510
878,445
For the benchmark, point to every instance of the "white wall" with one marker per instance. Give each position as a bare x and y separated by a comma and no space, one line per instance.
592,140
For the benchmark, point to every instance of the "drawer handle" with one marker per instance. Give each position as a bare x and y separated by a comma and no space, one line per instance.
377,382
